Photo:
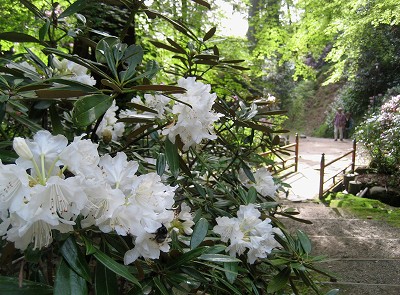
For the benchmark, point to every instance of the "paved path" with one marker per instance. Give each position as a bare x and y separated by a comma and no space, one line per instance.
364,255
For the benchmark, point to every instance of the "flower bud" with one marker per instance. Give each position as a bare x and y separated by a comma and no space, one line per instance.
22,149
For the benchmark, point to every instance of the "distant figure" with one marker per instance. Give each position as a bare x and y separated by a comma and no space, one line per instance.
348,126
339,124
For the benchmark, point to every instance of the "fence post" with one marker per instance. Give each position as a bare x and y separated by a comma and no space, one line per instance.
296,153
321,176
353,157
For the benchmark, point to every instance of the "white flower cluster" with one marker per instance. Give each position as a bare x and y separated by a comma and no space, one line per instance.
247,232
73,71
264,182
109,129
192,110
36,197
195,120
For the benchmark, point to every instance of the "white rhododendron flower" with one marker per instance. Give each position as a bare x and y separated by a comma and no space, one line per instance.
264,182
109,127
195,118
72,71
183,223
36,198
247,232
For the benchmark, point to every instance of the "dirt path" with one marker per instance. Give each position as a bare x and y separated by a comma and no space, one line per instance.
364,254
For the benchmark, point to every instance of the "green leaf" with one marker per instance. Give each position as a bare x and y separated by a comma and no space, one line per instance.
115,267
304,241
279,281
231,271
203,3
101,47
194,273
160,286
176,45
58,93
209,34
89,108
199,233
67,281
18,37
32,8
171,152
28,123
10,286
44,29
73,8
73,256
219,258
166,88
105,281
333,292
110,59
161,164
188,256
248,172
133,56
251,195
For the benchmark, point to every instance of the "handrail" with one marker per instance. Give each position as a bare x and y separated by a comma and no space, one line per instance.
322,191
283,161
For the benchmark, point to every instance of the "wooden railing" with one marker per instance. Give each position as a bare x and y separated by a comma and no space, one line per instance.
336,178
288,158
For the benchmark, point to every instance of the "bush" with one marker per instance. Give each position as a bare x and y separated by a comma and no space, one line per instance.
381,138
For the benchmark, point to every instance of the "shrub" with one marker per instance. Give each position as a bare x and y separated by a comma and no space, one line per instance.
381,138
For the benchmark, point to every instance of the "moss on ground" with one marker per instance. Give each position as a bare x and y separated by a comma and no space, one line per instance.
365,208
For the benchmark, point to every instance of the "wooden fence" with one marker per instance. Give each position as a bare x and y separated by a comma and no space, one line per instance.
336,178
288,158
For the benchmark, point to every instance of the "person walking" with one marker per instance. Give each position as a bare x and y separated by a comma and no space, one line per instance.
338,124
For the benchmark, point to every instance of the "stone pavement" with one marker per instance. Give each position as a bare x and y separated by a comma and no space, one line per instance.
364,255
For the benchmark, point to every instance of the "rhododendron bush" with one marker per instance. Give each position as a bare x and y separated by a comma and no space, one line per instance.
112,183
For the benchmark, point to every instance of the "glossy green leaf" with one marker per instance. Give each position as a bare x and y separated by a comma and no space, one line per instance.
44,29
90,248
176,45
304,241
194,273
219,258
74,257
18,37
34,127
171,152
231,271
161,163
75,7
67,281
279,281
160,286
210,33
187,256
251,195
101,47
133,56
105,281
167,88
199,233
10,286
115,267
89,108
58,93
28,4
248,172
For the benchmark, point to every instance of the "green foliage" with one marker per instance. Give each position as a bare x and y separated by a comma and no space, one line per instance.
365,208
379,135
